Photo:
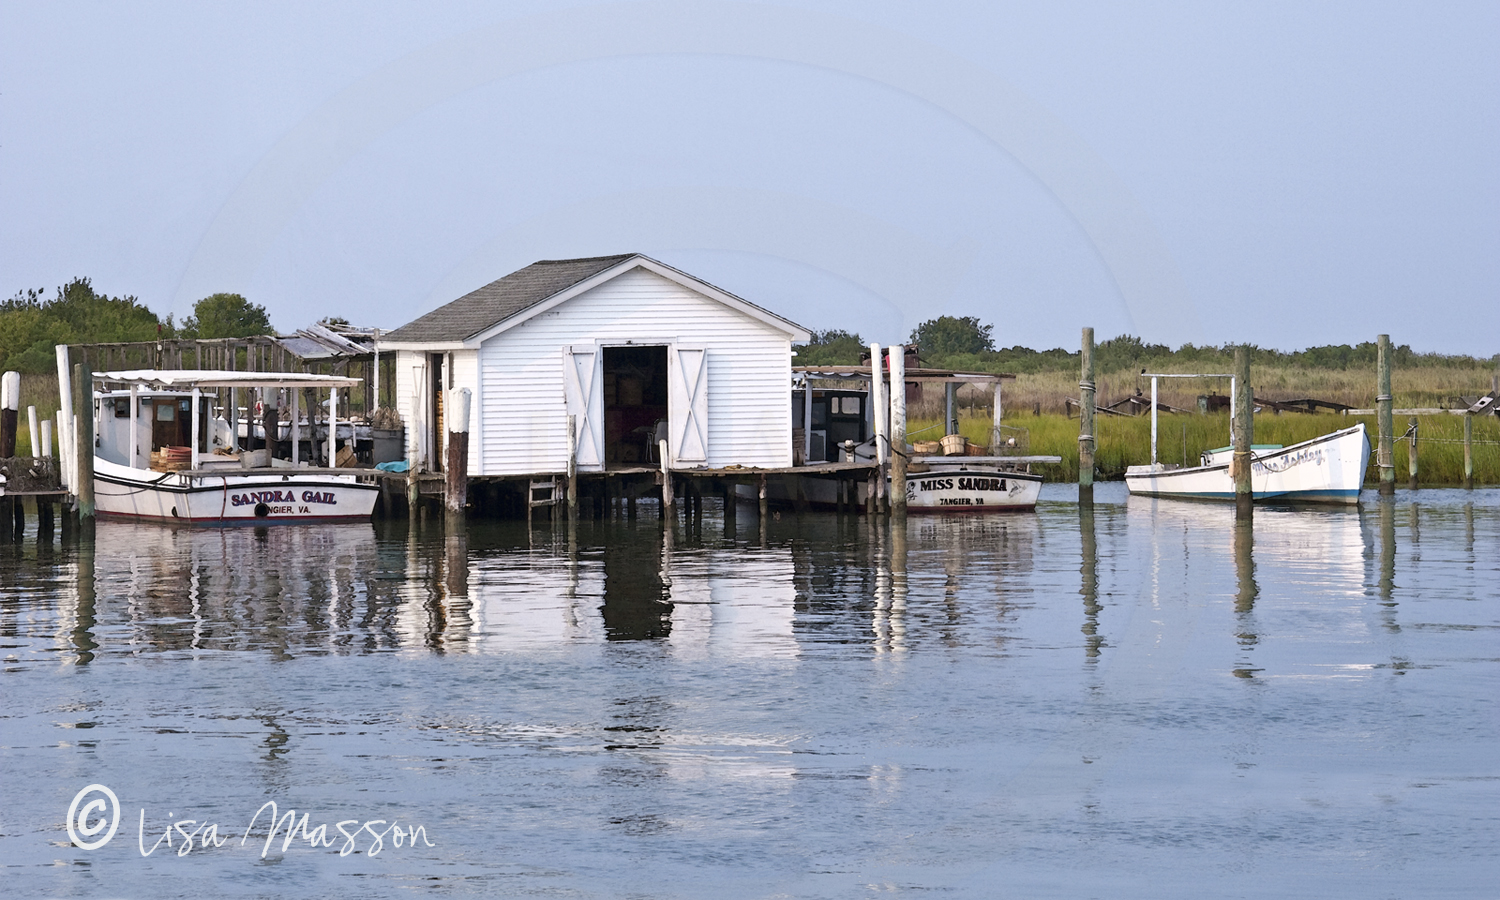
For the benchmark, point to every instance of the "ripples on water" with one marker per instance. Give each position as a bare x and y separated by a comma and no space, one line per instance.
1145,700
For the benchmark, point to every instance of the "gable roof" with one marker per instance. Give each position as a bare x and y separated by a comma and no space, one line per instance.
514,298
497,301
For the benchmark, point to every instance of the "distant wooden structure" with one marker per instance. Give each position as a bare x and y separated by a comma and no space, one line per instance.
315,350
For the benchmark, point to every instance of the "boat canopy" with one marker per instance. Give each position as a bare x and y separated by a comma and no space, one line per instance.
181,379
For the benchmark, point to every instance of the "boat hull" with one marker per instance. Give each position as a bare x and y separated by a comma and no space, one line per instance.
231,498
943,490
1328,469
971,489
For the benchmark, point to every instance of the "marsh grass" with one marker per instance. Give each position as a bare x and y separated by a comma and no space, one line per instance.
1047,392
1123,441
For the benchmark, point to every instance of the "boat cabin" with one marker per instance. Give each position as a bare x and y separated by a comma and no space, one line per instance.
164,419
836,416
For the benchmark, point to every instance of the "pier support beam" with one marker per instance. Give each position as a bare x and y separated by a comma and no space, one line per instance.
1244,433
1086,420
1385,453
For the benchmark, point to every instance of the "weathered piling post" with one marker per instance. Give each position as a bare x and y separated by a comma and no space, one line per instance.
573,468
668,500
898,430
456,493
83,439
1411,453
765,502
10,406
950,408
1086,420
879,412
1244,433
64,419
1385,453
31,424
1468,450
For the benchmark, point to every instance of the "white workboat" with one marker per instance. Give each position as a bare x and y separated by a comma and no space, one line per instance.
971,484
1327,469
165,418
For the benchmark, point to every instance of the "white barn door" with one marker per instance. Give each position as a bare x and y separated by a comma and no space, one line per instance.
583,386
687,404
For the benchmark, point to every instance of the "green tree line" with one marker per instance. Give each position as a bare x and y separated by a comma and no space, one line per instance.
31,324
964,343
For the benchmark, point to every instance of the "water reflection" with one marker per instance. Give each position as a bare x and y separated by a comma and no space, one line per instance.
961,581
1246,589
636,600
1089,572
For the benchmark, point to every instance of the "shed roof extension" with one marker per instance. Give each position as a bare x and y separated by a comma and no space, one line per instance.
522,293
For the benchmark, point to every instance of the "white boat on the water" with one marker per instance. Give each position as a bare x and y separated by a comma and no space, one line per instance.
971,484
835,421
1327,469
156,457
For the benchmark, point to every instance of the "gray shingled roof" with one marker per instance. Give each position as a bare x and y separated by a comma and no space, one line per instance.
499,300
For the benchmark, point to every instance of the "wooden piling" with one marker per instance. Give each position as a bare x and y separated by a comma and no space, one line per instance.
44,516
572,468
1385,452
1086,420
456,472
668,499
413,495
1244,433
765,502
1468,450
898,431
879,411
10,406
83,438
1411,453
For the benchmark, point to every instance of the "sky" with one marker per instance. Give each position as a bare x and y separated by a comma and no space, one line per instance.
1282,174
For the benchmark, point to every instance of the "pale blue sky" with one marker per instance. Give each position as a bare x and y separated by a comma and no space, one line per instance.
1288,174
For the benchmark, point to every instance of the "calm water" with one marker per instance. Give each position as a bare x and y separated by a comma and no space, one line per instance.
1144,701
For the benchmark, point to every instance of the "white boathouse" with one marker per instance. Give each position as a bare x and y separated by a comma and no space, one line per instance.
629,349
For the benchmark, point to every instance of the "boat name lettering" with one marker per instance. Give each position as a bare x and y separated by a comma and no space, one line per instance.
964,483
250,498
1282,463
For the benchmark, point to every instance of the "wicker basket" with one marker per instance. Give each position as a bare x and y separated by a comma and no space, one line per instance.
955,445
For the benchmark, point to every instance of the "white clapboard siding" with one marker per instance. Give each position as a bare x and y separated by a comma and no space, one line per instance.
522,392
408,398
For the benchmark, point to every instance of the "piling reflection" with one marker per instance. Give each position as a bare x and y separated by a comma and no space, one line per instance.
1089,588
1386,585
85,618
1246,591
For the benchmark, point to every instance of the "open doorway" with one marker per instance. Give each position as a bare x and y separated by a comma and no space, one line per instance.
635,404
